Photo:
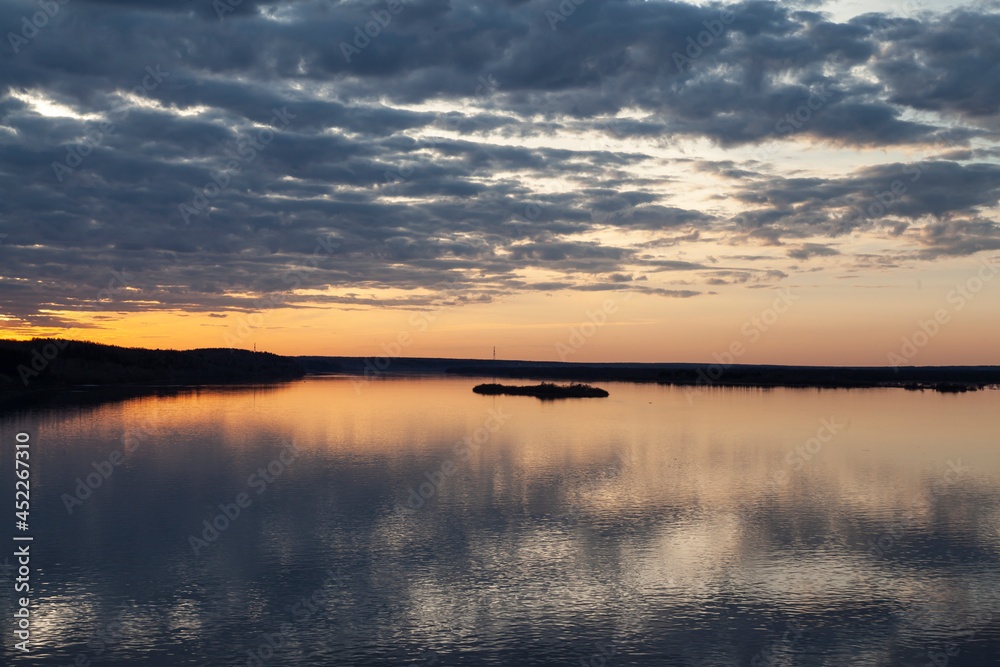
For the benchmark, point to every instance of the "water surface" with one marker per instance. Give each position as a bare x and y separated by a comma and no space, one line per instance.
410,521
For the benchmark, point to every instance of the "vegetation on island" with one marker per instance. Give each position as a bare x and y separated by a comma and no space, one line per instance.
543,390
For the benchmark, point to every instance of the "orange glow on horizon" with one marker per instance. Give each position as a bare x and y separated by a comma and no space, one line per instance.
828,323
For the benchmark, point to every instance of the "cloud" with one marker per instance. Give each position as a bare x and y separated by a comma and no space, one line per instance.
871,196
810,250
439,156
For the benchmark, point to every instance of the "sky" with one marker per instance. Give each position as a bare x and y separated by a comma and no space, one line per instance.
585,180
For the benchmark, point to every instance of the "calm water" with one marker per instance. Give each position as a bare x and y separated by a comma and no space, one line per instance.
741,527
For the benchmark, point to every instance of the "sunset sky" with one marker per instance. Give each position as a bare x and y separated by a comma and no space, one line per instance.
812,180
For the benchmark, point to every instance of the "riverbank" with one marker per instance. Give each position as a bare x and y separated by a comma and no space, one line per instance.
51,371
935,378
62,372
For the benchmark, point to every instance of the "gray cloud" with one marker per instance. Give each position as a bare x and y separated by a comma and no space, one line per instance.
368,182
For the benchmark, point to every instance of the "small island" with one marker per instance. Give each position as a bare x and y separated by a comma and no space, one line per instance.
545,390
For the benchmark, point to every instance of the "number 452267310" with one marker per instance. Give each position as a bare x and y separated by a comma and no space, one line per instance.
22,494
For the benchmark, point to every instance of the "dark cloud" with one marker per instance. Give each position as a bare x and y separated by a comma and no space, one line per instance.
809,250
412,163
958,238
951,65
887,195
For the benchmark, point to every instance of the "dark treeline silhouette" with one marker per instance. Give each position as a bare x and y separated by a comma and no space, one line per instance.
545,390
49,362
45,363
940,378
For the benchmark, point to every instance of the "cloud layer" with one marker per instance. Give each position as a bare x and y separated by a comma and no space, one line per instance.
397,153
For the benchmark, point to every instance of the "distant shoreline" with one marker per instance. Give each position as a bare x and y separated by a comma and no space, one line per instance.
43,371
936,378
33,372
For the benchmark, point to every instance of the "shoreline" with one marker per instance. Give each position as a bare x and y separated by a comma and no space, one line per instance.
80,396
62,372
950,379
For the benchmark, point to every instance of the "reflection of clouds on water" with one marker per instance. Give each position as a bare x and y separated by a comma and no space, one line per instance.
593,487
770,555
549,545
